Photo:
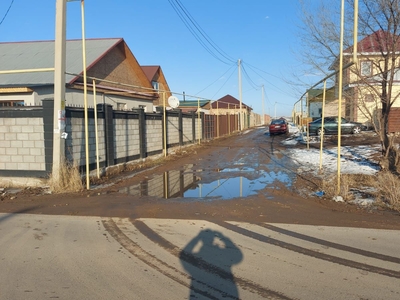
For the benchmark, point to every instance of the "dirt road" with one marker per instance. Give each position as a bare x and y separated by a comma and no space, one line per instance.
244,177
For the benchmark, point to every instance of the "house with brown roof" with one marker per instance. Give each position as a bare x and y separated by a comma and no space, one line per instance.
111,67
157,79
229,105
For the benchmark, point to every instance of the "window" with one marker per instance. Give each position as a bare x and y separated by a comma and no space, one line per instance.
155,85
330,120
366,68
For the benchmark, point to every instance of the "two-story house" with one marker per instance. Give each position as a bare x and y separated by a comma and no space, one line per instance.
378,63
375,75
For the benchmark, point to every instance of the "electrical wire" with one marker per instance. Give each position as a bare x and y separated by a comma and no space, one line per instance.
270,83
195,35
212,48
203,33
191,30
249,80
267,98
216,80
198,33
270,74
8,10
223,84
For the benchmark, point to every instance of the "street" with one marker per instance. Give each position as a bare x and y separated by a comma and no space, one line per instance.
66,257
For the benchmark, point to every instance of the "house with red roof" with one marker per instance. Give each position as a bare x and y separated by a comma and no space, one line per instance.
229,105
362,81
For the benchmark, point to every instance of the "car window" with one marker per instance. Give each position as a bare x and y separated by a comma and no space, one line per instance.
329,120
278,122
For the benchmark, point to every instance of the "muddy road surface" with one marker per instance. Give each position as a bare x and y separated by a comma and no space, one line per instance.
244,177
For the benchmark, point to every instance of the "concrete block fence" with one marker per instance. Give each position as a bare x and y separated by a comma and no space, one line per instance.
26,137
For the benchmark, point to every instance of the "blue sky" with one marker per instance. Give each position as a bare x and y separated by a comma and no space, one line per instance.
262,33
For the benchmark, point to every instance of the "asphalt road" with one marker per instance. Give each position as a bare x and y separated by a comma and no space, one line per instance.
67,257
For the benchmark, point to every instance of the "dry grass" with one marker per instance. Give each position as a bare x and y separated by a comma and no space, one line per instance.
385,184
347,183
69,180
388,189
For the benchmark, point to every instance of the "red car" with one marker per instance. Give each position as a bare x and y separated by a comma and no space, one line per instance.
278,126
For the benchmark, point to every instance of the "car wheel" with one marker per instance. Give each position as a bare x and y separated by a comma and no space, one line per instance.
320,131
356,129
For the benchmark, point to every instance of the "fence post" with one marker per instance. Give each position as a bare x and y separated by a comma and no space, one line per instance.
165,132
108,133
202,126
180,122
194,127
142,133
48,120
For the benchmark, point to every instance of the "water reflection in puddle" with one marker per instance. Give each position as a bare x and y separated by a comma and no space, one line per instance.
199,184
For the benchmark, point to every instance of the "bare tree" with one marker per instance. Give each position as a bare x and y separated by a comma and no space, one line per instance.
373,82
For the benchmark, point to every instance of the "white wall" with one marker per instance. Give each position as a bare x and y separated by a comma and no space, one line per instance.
315,109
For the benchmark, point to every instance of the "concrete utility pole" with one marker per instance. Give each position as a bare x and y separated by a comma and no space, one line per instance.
262,105
240,94
340,94
59,88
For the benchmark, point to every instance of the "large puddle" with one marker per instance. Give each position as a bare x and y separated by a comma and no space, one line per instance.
192,183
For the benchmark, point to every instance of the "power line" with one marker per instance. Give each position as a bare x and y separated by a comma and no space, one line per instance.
9,7
270,83
185,22
203,33
216,79
270,74
199,34
190,29
249,80
233,71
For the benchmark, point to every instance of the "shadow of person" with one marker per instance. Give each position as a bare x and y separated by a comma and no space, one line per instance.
208,258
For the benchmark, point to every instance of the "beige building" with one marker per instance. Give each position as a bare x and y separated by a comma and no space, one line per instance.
362,82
